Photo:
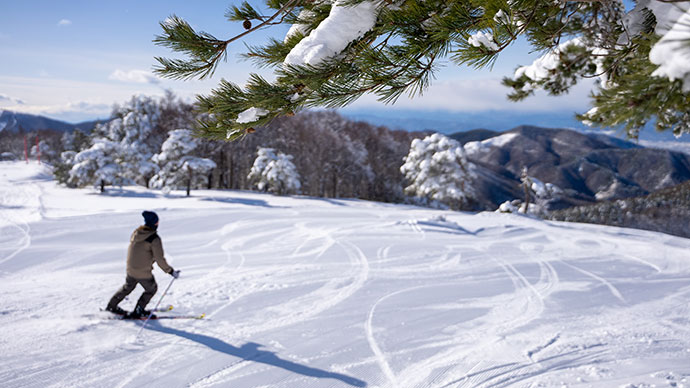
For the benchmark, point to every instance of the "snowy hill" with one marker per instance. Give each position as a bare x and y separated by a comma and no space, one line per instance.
302,292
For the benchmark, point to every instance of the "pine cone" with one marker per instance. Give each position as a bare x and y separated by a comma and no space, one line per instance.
247,24
251,130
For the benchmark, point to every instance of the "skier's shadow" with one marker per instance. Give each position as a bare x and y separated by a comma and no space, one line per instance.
251,352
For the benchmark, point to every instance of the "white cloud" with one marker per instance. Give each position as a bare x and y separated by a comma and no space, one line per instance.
7,100
134,76
471,95
64,22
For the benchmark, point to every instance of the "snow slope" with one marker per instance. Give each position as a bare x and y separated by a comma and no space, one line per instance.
303,292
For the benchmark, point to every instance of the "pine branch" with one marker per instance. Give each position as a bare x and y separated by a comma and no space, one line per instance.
400,54
205,50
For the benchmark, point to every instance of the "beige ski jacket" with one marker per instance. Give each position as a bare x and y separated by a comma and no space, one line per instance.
145,248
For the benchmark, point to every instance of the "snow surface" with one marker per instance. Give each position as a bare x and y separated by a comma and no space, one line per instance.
306,292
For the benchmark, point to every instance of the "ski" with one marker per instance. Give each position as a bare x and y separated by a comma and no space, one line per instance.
113,316
158,310
158,317
163,309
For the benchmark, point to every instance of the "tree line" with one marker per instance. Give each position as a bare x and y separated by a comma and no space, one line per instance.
335,157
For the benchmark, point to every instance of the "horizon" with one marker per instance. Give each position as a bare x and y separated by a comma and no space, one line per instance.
449,123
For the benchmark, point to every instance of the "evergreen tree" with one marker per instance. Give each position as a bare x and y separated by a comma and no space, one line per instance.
135,128
274,173
96,166
135,132
178,167
336,51
44,150
439,173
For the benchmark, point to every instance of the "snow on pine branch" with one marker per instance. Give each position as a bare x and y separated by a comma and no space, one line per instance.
543,67
672,52
251,115
344,24
485,39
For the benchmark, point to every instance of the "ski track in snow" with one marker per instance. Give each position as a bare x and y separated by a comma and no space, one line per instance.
16,196
302,292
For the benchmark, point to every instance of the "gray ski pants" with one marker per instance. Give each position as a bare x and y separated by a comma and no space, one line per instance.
150,288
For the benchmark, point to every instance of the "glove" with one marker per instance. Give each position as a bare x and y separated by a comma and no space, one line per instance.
175,273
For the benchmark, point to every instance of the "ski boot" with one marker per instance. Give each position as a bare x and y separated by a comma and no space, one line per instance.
139,313
116,310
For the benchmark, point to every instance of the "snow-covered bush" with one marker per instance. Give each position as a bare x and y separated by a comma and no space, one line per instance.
8,156
178,167
97,165
274,173
439,172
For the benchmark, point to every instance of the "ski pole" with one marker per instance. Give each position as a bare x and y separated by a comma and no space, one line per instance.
154,309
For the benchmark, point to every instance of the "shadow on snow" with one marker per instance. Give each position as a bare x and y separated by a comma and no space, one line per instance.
251,352
239,201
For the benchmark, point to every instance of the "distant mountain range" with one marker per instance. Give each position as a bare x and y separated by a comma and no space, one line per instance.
453,122
587,167
14,121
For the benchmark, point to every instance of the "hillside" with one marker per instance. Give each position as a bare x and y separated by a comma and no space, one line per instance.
665,211
307,292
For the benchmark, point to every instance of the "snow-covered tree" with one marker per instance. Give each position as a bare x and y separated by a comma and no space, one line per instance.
439,172
75,141
96,166
339,50
44,150
178,166
274,173
134,127
134,134
538,197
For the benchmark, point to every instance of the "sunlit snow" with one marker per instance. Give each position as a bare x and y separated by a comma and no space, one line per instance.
309,292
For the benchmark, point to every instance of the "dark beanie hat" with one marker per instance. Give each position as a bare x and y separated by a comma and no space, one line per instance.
150,218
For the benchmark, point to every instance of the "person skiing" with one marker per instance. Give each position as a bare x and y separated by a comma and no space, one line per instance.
145,247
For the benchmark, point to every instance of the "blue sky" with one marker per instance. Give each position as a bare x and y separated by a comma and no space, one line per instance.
72,60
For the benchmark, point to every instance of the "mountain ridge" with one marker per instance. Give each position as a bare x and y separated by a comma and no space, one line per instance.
12,121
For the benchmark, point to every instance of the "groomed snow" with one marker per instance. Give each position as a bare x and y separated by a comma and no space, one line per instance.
305,292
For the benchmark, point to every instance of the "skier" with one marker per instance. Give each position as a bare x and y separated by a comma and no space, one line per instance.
145,247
